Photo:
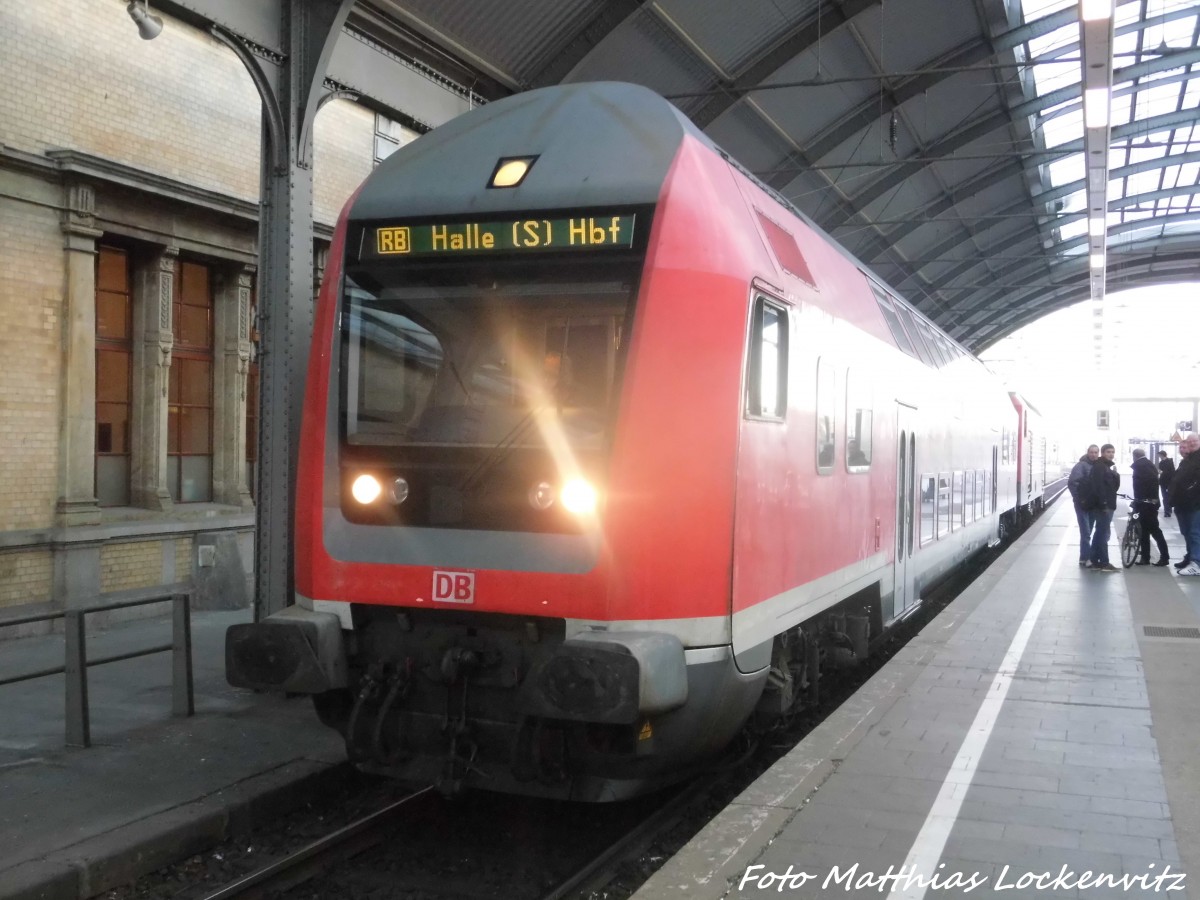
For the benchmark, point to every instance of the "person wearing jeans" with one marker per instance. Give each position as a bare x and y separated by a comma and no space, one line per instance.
1105,483
1185,497
1079,484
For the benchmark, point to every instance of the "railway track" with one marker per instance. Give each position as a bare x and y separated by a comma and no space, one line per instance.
487,845
316,868
318,856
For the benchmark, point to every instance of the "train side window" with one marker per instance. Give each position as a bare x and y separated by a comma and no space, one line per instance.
930,340
826,415
980,494
958,506
767,379
893,323
926,354
943,503
859,415
928,498
968,497
947,348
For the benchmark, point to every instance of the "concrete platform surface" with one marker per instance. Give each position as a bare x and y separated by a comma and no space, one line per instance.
152,788
1044,725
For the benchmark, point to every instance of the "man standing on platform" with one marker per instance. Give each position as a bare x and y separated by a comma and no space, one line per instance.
1185,498
1079,484
1166,469
1145,488
1105,482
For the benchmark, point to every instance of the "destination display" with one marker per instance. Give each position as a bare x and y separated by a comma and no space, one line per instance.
511,235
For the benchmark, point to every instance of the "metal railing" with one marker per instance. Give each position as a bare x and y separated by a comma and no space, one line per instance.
77,663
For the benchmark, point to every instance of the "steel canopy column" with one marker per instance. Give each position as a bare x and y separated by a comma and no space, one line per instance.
291,87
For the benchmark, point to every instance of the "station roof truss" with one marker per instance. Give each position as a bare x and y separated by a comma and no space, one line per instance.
942,142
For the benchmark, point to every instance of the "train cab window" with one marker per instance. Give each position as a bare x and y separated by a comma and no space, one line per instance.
395,373
826,415
766,380
859,415
943,503
928,508
457,362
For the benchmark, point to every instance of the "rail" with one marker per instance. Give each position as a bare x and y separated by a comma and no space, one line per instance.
76,663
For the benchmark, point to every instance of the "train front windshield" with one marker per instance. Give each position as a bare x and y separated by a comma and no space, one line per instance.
478,382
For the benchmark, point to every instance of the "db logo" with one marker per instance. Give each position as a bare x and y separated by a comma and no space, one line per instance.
454,587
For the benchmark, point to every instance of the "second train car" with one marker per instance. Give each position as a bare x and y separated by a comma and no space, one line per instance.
606,449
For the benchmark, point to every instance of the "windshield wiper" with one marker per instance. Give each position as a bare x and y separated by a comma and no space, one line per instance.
500,451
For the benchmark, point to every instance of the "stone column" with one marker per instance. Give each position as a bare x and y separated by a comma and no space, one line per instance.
231,324
153,291
77,503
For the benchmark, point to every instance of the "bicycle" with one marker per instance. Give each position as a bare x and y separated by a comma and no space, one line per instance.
1131,541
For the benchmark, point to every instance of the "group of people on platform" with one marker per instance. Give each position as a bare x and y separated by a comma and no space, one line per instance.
1094,484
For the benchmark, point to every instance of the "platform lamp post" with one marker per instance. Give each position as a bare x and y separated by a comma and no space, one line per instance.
292,85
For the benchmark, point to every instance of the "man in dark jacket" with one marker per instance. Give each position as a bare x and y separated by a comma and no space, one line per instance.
1105,482
1145,488
1079,484
1166,471
1185,497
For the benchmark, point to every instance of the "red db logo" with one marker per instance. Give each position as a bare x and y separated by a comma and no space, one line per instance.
454,587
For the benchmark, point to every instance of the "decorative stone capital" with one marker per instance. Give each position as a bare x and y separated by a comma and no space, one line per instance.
79,216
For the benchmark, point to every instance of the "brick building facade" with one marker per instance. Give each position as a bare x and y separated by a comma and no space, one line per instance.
129,177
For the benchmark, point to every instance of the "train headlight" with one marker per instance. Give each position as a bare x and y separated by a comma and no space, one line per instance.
541,495
579,497
366,489
398,491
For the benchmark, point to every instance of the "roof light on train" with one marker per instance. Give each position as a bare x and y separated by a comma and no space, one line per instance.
366,489
541,495
579,497
511,171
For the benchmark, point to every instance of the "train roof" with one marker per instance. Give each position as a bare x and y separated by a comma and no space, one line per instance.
600,143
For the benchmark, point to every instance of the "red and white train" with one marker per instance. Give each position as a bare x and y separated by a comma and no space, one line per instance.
605,449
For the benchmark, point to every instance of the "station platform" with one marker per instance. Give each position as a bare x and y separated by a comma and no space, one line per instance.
152,788
1048,718
1043,726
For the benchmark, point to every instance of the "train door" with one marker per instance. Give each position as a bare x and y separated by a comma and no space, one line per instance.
904,593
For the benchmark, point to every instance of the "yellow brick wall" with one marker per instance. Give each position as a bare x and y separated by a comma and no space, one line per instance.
25,577
343,151
78,76
183,559
132,565
31,286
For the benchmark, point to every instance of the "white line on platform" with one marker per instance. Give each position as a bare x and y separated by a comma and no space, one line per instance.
931,841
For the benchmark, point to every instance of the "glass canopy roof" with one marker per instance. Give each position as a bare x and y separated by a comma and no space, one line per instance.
1154,148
